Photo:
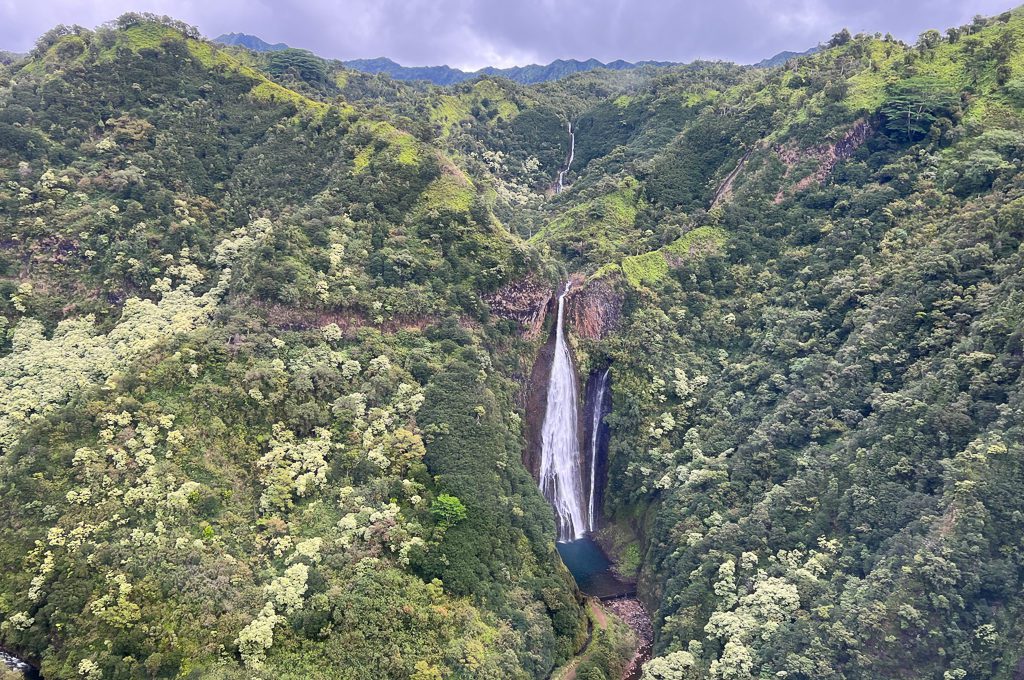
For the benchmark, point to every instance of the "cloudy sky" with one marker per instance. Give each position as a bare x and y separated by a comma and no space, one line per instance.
474,33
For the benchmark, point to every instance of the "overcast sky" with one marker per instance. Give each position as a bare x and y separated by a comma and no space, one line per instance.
474,33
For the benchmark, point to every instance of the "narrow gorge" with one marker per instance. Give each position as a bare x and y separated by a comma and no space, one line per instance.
571,478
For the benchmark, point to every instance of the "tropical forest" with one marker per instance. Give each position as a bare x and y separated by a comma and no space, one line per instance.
693,371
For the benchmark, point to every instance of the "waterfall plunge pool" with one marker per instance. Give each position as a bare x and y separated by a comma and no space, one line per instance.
592,570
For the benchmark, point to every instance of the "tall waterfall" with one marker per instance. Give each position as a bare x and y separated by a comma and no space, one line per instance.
595,441
572,156
560,476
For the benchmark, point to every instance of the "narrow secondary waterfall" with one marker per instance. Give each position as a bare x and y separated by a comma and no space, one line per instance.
560,476
595,442
572,155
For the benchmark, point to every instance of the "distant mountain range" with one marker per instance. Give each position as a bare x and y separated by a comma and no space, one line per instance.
534,73
446,75
439,75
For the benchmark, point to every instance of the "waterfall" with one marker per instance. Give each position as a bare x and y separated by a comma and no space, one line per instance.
595,441
572,155
560,476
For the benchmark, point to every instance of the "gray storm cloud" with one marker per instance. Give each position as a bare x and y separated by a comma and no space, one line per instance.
474,33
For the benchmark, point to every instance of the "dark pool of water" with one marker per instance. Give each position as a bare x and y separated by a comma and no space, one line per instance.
592,569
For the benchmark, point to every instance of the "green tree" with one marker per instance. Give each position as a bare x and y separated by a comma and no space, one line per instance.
841,38
912,106
447,510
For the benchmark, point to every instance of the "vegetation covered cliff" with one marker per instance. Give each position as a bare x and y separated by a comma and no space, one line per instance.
267,325
253,422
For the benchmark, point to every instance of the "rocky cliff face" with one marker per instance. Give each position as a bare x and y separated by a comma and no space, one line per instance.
827,155
525,301
593,308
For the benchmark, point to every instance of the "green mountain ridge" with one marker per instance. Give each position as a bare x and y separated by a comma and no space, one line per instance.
527,75
782,57
265,361
250,42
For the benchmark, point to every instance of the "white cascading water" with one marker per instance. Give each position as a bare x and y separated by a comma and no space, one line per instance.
560,477
572,155
595,439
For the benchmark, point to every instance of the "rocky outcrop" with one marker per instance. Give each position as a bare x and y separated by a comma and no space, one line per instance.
593,309
525,301
636,617
827,155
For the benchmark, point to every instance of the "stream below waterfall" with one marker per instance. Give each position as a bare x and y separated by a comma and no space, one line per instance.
595,576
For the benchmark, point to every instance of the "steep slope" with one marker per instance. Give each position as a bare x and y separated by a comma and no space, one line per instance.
816,369
268,328
243,353
817,390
